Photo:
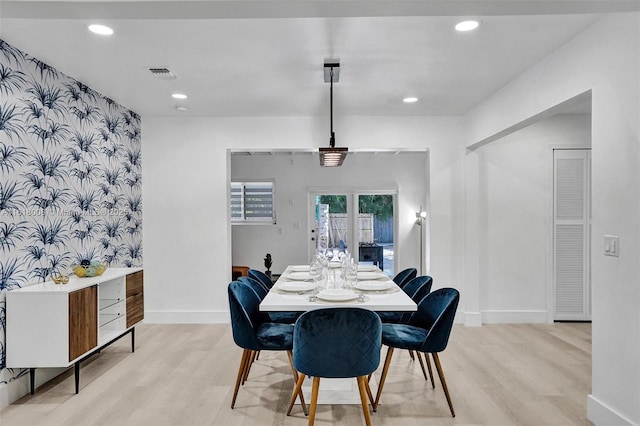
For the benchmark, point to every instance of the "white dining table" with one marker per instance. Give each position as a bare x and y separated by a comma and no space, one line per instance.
392,298
285,296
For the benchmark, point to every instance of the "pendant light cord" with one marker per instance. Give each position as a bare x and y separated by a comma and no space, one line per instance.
332,140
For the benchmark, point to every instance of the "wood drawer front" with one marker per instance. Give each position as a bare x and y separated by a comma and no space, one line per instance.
135,298
135,283
83,321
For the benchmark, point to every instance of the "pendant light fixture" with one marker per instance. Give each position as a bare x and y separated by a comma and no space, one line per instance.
332,156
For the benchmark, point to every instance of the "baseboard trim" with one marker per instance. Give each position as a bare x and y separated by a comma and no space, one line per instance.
16,389
602,415
186,317
472,319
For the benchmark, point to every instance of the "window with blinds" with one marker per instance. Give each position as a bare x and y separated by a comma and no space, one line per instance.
252,202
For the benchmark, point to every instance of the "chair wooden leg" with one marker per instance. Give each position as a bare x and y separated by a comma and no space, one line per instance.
368,389
296,390
295,380
426,358
363,398
239,379
248,363
385,370
412,356
424,372
436,361
314,400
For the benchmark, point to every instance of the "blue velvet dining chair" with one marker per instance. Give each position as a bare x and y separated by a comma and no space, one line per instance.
260,276
427,331
279,317
336,343
253,332
258,286
416,289
404,276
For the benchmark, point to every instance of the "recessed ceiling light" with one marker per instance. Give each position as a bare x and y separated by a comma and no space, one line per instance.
100,29
410,100
467,25
179,96
181,108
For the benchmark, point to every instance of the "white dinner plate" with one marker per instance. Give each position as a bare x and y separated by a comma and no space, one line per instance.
337,295
373,285
296,286
299,268
299,276
367,275
367,268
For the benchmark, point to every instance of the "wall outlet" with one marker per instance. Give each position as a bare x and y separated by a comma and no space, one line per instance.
612,245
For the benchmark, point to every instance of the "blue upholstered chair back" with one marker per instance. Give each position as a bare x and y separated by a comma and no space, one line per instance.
245,315
418,287
261,291
404,276
436,313
261,277
257,286
337,342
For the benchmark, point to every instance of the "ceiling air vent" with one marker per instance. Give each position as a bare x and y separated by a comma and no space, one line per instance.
163,73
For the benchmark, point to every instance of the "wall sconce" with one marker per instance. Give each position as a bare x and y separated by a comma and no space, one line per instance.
420,216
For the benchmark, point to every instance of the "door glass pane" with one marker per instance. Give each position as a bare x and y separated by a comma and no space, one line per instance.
331,224
375,231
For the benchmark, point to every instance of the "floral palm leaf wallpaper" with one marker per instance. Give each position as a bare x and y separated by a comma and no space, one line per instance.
70,178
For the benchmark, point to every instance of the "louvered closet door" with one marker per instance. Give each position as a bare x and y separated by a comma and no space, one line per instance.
572,230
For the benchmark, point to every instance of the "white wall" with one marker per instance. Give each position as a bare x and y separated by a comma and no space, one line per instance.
515,208
605,59
187,234
287,241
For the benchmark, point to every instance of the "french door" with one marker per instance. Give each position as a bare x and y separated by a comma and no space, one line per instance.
361,223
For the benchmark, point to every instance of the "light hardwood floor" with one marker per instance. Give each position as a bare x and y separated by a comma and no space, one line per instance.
508,374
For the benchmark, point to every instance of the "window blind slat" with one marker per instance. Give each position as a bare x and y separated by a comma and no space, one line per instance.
252,202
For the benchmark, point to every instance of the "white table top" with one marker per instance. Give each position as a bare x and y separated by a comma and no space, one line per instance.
393,299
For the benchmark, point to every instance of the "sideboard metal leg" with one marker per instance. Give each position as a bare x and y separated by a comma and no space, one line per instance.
133,339
76,368
32,380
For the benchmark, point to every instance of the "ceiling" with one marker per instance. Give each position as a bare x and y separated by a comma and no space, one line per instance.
265,58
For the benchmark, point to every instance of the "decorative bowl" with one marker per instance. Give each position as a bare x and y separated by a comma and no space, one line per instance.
89,269
60,279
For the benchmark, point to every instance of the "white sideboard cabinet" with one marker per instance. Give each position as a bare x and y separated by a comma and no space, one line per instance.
59,325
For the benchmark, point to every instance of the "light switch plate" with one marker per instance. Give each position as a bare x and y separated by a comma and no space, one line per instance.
612,245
